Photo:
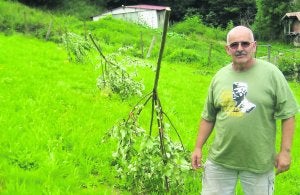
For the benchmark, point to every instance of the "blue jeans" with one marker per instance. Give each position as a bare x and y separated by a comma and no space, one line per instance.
218,180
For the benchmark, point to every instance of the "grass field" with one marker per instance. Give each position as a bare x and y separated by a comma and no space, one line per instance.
53,117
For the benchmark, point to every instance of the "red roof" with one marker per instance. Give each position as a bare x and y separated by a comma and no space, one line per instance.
152,7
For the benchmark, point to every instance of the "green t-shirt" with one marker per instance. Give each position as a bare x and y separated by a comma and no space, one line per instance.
244,107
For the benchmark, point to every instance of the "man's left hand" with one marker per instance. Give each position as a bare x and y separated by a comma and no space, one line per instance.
282,162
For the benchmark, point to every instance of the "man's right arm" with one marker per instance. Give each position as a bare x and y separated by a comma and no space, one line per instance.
205,130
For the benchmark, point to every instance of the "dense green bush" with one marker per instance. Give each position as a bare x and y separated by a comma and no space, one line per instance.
82,10
184,56
194,25
287,62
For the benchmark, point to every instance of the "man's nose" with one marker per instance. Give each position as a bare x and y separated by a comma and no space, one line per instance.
239,48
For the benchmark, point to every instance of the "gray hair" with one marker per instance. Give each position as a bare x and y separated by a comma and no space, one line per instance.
240,28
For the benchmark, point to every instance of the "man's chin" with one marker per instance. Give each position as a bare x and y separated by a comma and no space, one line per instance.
241,61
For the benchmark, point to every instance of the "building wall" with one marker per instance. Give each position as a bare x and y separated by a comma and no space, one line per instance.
291,26
161,18
151,18
148,18
296,26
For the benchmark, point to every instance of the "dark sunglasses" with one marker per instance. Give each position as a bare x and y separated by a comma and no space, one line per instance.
244,44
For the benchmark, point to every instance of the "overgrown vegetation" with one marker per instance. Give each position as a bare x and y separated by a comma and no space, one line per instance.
53,115
16,17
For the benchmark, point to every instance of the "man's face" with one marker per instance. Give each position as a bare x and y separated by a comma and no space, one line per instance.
239,91
241,47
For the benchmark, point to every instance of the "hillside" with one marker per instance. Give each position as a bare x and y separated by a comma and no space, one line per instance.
53,117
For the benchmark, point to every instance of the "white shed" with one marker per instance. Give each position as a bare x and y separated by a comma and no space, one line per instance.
150,15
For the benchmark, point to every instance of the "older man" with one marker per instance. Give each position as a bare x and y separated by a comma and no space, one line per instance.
245,135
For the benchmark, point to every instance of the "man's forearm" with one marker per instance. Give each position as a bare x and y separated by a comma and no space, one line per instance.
283,158
288,126
205,130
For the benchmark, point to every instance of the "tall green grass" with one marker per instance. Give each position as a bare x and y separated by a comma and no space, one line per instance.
53,117
15,17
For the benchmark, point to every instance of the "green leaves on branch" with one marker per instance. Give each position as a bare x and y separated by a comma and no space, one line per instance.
139,162
77,46
119,81
289,64
115,77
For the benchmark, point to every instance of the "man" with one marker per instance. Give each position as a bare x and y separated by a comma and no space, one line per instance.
245,133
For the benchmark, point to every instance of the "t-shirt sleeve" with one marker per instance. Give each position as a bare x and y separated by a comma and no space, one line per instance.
209,111
286,105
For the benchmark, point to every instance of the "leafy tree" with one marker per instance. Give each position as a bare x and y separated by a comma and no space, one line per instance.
268,24
296,5
220,12
55,4
179,8
43,3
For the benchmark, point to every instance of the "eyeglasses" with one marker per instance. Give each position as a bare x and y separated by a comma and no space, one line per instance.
244,44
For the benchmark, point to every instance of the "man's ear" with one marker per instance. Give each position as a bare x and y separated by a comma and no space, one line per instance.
227,49
254,46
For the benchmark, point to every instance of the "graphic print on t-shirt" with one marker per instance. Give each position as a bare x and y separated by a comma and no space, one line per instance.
239,92
234,102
